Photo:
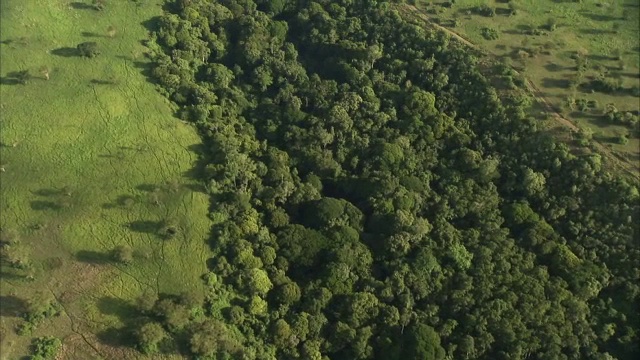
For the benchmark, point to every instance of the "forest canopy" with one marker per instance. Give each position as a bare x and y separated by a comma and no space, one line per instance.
374,198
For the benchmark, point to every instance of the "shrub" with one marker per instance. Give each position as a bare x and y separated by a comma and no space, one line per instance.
485,10
46,348
489,33
123,254
552,24
581,104
621,139
88,49
39,309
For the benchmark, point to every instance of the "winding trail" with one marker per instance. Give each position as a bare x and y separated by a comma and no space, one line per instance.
615,160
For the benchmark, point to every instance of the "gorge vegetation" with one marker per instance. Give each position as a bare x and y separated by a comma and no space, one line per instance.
374,198
373,194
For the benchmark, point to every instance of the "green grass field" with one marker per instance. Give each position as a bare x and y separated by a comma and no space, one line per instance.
92,159
601,29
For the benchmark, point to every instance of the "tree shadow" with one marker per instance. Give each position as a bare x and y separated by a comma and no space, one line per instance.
600,17
11,274
123,309
48,192
513,32
146,69
555,83
81,6
93,257
122,201
9,81
146,226
21,41
12,306
40,205
596,32
16,77
102,82
66,52
631,75
117,337
92,34
148,187
151,24
601,57
553,67
503,11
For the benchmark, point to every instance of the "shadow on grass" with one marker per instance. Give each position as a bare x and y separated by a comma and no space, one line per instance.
123,309
81,6
631,75
596,32
146,69
102,82
93,257
553,67
92,34
48,192
126,312
40,205
513,32
146,226
555,83
151,24
117,337
503,11
148,187
10,274
123,201
600,17
66,52
12,306
10,81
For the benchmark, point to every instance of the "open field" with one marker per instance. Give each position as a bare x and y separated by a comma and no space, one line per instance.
542,40
92,158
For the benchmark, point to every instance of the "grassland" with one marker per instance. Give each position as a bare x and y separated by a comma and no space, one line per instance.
92,158
605,32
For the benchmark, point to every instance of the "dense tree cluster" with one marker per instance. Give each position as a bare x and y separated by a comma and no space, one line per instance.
374,198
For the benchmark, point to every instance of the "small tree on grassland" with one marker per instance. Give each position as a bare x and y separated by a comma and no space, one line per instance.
111,31
99,5
123,254
88,49
44,70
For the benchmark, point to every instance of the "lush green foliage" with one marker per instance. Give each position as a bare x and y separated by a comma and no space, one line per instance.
565,49
372,195
46,348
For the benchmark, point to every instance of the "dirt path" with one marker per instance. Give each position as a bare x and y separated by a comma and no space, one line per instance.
615,160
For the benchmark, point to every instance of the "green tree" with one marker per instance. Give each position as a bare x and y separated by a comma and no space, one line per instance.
422,342
288,293
149,337
46,348
211,338
88,49
257,306
257,281
123,254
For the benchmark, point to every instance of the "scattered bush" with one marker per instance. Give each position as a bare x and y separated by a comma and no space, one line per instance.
88,49
551,24
621,139
489,33
123,254
485,10
604,84
46,348
39,308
